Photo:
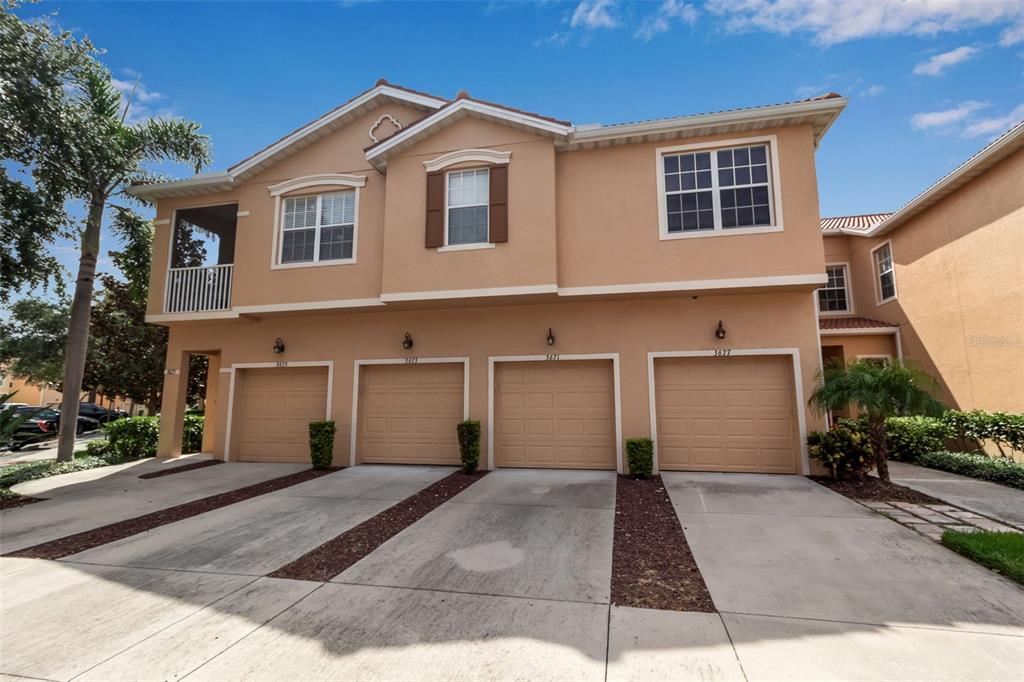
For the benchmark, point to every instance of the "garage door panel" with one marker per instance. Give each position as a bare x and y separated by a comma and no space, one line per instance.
737,414
556,414
274,409
409,413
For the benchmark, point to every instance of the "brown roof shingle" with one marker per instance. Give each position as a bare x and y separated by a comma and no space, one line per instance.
853,323
858,223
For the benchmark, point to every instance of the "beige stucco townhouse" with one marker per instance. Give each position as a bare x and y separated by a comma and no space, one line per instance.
940,282
407,261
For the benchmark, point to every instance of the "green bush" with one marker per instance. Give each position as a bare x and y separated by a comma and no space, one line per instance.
97,448
844,450
321,444
132,438
640,456
911,437
971,427
469,444
30,471
995,469
192,434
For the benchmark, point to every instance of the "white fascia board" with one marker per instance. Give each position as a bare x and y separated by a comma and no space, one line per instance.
682,123
326,119
695,285
207,182
558,129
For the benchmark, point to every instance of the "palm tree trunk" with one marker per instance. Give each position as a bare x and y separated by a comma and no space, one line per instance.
876,432
78,330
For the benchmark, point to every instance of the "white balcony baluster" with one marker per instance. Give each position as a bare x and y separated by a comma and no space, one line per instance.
198,289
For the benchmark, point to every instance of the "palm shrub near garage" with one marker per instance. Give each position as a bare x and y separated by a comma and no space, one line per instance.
640,457
469,444
321,444
844,450
878,392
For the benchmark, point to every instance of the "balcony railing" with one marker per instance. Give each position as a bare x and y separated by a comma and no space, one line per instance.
191,290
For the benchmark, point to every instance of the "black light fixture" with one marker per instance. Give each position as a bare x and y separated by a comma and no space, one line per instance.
407,341
551,337
278,345
720,332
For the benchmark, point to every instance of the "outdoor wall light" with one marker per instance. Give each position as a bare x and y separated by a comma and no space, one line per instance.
407,341
278,345
720,332
551,337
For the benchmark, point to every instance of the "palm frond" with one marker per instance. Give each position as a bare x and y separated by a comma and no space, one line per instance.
170,139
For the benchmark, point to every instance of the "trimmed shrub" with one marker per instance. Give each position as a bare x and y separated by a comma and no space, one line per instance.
132,438
911,437
974,426
997,470
192,434
321,444
844,450
469,444
97,448
640,457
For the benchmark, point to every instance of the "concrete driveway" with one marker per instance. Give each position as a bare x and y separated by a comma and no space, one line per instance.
811,585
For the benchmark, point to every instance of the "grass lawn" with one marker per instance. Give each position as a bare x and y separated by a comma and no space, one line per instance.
1002,552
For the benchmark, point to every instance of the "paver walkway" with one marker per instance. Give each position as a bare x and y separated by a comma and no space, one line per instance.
995,501
932,519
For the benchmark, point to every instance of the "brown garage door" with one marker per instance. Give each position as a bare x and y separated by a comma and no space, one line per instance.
726,414
558,415
275,407
408,413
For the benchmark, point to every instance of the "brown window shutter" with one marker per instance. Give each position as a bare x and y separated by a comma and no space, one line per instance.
435,209
499,204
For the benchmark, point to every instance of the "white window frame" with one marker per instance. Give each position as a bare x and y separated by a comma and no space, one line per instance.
849,292
343,182
486,244
878,273
774,187
885,357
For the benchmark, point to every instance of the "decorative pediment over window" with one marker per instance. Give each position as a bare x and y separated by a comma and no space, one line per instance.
463,155
320,180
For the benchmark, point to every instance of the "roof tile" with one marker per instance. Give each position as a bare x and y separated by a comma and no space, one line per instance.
853,323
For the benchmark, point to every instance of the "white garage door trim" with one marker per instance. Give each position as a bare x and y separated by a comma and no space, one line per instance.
402,361
282,364
793,353
553,357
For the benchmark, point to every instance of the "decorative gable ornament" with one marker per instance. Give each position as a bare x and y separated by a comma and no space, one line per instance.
386,117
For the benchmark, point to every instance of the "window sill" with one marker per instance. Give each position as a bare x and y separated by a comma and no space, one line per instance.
835,313
466,247
725,232
292,266
884,301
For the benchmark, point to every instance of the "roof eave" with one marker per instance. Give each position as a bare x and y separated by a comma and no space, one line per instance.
204,184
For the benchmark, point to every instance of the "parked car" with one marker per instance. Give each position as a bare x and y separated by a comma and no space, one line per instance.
100,414
43,425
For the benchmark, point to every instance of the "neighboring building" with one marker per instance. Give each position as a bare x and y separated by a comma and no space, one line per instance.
28,393
939,282
406,261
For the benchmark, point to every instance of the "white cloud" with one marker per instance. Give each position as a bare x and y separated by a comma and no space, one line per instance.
873,91
838,21
934,66
143,100
593,14
662,20
995,125
1012,35
946,118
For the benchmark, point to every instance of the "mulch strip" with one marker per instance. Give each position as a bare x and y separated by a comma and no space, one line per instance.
79,542
871,489
19,501
184,467
338,554
652,566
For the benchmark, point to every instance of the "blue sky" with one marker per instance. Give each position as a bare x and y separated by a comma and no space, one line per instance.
929,84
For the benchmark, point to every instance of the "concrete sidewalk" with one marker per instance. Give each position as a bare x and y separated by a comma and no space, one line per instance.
995,501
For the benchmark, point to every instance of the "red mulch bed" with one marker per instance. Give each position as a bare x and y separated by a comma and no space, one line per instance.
184,467
652,566
872,489
79,542
338,554
19,501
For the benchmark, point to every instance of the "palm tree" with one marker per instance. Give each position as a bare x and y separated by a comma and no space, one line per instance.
106,154
879,391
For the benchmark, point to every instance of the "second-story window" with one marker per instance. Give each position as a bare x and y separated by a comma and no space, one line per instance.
717,189
834,297
885,273
467,206
318,228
